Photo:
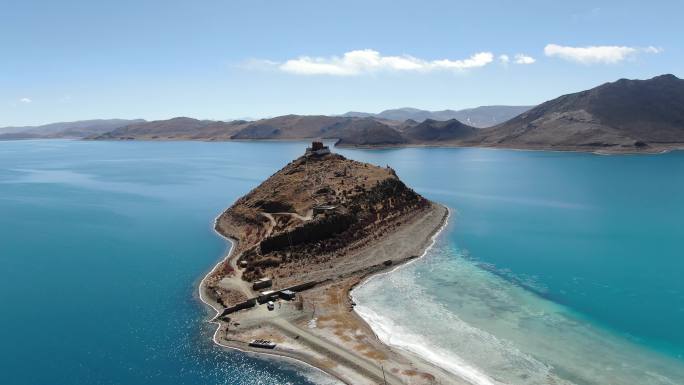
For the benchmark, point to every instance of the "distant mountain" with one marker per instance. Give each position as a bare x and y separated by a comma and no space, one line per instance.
351,131
432,131
180,128
399,114
621,116
281,127
485,116
289,127
357,114
348,131
366,132
78,129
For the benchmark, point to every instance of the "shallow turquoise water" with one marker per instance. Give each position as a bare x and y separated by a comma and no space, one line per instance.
554,265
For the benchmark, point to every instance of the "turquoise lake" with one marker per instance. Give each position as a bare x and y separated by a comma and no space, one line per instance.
554,268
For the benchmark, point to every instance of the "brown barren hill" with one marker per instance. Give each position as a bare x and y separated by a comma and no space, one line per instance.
313,210
622,116
303,239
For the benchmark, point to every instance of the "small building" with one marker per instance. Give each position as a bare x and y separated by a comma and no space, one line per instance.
266,296
263,344
240,306
316,149
262,283
243,264
287,295
323,209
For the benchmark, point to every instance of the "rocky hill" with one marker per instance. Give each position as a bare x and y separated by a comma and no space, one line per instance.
312,210
625,115
367,132
433,131
305,237
289,127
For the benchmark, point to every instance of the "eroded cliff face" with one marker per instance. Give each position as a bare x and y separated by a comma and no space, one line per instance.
312,211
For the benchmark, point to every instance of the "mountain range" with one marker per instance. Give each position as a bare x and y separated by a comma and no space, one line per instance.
622,116
481,117
286,127
78,129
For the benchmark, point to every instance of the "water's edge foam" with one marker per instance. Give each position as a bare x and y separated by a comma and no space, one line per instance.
379,325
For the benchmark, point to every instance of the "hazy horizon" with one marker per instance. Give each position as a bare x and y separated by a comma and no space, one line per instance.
249,118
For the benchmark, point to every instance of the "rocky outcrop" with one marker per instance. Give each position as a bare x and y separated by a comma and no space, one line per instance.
320,229
360,202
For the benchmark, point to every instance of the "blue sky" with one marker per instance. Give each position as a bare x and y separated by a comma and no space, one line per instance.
81,59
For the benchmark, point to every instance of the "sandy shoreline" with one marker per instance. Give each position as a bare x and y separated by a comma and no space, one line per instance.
317,346
212,305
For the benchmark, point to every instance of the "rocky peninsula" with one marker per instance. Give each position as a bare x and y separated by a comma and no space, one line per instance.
301,241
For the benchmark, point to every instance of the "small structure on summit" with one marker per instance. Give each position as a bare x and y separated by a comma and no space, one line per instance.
316,149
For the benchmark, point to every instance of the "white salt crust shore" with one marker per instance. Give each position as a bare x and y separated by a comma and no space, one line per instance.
453,365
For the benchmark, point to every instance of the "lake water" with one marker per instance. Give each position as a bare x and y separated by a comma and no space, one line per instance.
102,246
555,267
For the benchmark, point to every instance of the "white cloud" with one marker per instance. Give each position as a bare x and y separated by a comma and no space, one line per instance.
366,61
504,59
605,54
25,100
524,59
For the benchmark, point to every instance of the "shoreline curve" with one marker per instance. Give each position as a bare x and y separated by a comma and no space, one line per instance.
429,243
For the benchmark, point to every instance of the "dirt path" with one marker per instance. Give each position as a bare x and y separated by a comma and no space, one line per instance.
370,368
272,223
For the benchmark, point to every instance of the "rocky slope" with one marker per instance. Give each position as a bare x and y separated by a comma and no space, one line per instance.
278,224
367,132
625,115
289,127
433,131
